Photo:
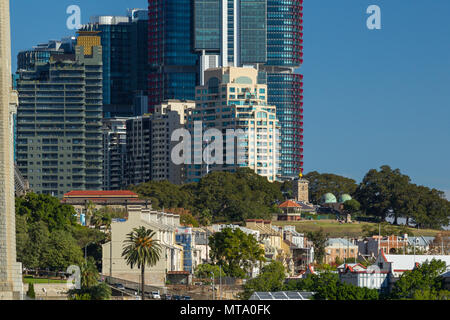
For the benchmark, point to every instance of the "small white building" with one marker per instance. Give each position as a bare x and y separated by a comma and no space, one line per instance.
386,269
397,264
360,276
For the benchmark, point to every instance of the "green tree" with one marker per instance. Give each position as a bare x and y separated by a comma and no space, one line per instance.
327,286
141,250
235,251
382,191
187,219
62,251
32,256
319,240
204,271
422,282
42,207
321,183
90,289
164,194
89,274
352,206
31,293
271,278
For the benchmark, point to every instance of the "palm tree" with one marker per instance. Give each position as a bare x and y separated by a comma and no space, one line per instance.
90,209
141,249
89,274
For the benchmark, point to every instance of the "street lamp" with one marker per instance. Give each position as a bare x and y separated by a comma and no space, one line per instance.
212,284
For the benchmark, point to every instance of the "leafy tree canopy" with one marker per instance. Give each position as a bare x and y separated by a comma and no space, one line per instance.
271,278
319,240
235,251
327,286
218,197
321,183
423,282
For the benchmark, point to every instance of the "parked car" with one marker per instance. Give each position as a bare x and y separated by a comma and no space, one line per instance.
166,297
176,297
119,286
155,295
186,298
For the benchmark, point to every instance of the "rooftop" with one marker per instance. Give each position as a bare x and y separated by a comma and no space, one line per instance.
282,295
289,204
100,194
407,262
339,242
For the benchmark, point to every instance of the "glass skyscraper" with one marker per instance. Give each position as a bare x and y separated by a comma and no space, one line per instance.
284,56
265,34
173,63
125,59
268,35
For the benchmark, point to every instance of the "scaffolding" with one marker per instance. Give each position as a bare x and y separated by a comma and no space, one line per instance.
183,237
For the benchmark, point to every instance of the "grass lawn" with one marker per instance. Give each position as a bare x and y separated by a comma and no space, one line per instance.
341,230
30,279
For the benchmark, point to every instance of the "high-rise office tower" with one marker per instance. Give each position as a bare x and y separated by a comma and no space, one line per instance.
284,56
266,34
234,99
59,132
114,153
172,61
125,59
11,286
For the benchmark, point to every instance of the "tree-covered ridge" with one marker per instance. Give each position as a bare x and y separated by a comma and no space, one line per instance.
234,197
218,197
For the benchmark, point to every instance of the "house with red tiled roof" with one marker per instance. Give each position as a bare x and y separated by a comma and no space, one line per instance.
290,211
116,200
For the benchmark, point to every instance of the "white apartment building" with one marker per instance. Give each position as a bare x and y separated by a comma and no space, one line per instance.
234,98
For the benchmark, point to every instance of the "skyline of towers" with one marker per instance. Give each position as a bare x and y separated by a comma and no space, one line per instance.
265,34
183,38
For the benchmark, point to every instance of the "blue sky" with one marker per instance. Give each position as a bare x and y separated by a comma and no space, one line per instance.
371,97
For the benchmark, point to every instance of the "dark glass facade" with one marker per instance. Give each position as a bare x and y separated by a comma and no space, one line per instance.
285,91
115,40
252,31
207,26
285,33
173,64
125,61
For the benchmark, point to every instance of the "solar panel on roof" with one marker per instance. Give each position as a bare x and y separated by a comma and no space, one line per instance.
293,295
264,295
279,295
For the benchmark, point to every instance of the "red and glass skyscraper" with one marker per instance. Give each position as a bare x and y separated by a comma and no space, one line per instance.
285,84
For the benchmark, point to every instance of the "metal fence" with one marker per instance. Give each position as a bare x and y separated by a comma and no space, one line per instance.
131,285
